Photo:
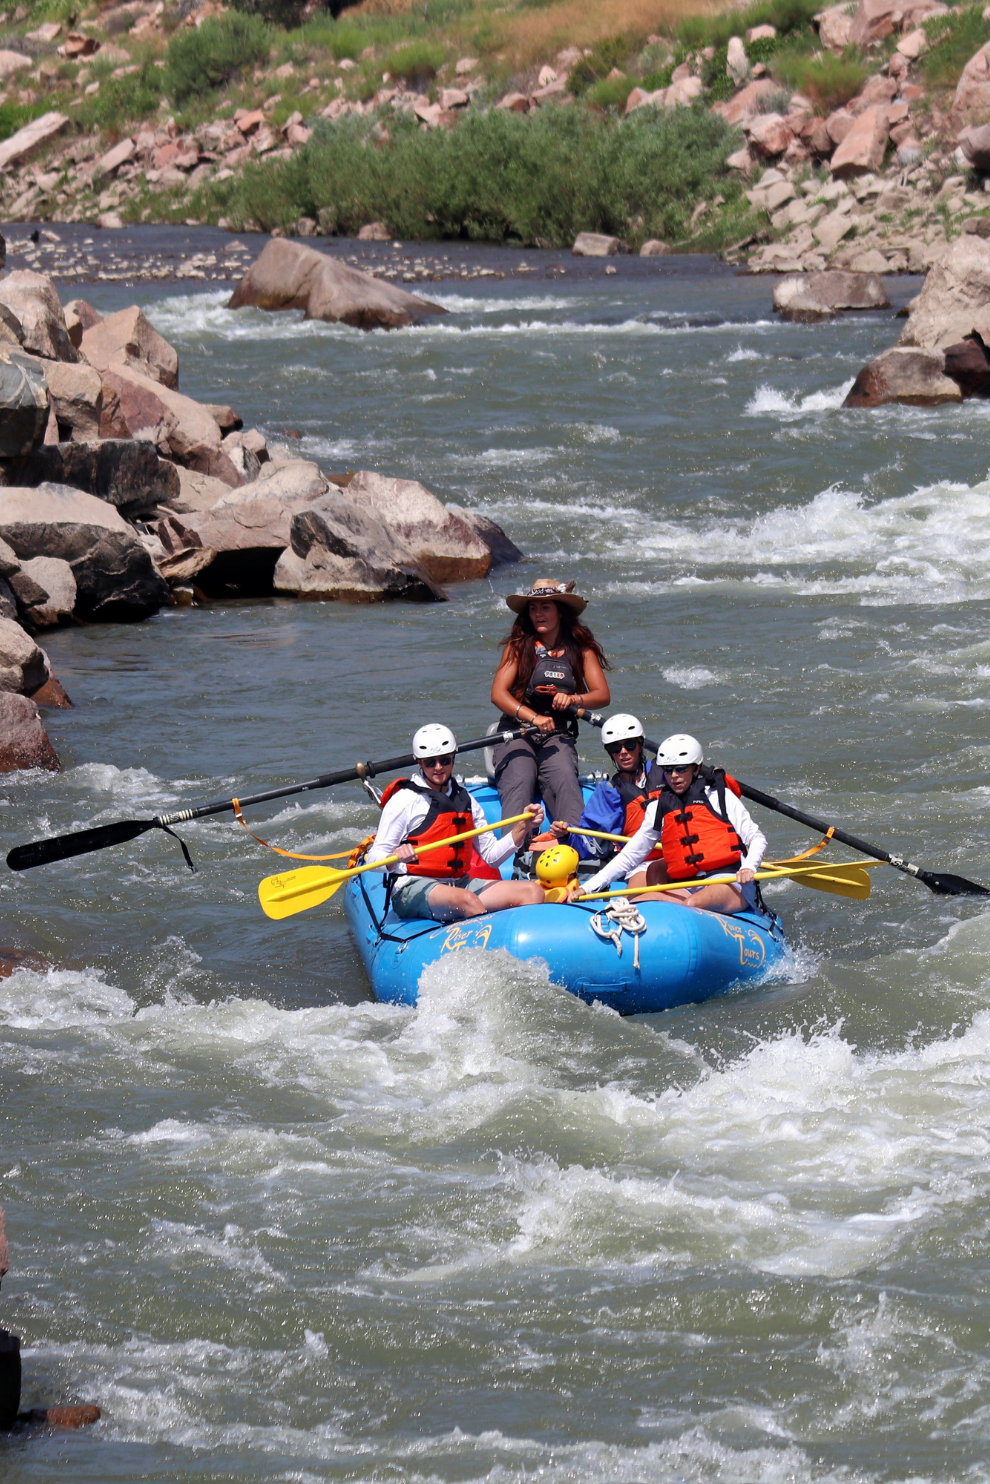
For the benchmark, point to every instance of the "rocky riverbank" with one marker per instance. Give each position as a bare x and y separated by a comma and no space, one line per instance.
120,494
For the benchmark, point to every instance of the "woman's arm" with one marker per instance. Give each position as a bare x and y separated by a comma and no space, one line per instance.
628,858
502,697
596,692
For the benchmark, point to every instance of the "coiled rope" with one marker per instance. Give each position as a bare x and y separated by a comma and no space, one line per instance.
620,916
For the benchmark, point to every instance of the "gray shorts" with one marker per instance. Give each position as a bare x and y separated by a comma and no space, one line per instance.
411,895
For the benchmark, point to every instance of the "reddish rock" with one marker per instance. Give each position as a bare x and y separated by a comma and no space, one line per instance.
808,297
443,545
769,134
815,134
877,91
863,148
838,125
23,740
127,338
178,427
53,694
514,103
968,365
746,103
80,317
22,145
834,25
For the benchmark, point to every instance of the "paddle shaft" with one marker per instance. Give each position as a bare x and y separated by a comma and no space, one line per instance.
931,879
337,878
638,891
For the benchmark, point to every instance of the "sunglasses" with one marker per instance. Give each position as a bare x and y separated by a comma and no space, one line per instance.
677,767
614,748
436,762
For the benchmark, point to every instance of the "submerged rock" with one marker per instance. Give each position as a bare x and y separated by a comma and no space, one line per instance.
598,245
288,275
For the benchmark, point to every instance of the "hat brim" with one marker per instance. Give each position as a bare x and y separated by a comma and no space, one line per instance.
518,601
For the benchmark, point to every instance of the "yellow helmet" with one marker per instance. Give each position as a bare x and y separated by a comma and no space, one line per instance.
557,865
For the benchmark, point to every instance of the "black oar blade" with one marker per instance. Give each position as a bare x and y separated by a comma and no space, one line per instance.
80,842
947,885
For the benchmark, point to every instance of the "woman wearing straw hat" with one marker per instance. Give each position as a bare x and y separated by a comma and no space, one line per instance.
550,661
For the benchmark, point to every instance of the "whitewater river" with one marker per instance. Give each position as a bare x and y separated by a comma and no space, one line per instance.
278,1232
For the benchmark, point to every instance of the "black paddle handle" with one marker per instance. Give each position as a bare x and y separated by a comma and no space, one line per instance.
327,780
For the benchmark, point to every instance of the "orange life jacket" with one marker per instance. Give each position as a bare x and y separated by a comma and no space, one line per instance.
695,835
448,814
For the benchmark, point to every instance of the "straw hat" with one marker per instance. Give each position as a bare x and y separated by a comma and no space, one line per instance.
548,587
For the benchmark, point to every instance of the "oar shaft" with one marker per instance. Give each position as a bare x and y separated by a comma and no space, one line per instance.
638,891
573,829
389,860
328,780
769,802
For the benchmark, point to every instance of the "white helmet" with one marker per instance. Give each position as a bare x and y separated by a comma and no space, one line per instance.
678,750
434,740
622,728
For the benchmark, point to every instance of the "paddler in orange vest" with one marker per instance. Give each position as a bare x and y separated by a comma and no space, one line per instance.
703,830
460,880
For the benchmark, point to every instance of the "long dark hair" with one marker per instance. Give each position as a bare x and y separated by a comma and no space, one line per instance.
574,639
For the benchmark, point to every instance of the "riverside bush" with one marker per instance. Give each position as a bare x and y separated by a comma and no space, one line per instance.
496,177
828,81
952,39
788,16
284,13
204,59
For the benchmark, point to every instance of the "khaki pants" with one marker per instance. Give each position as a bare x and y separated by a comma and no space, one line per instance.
550,769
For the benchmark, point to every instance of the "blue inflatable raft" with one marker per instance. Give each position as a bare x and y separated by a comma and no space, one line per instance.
681,957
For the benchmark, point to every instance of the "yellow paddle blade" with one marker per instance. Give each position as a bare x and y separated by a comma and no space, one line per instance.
297,891
841,881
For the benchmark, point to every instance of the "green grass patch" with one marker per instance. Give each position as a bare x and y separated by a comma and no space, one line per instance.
828,81
123,100
202,60
953,39
495,177
14,116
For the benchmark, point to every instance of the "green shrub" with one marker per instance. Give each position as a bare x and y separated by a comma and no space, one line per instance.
614,51
418,63
207,58
828,81
953,39
496,176
611,92
715,75
344,39
654,80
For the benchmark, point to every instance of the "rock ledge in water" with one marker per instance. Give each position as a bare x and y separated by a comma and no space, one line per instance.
290,276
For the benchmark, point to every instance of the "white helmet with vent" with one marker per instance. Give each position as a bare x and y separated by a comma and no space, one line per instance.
434,740
622,728
679,750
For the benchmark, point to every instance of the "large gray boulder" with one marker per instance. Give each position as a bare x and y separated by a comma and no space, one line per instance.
23,740
340,550
808,297
32,298
955,297
438,541
904,374
127,473
127,338
115,577
196,491
55,582
23,403
288,275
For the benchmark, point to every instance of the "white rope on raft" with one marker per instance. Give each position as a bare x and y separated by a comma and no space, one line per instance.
625,917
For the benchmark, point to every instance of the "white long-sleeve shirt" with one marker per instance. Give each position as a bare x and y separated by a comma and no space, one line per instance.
645,838
404,812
